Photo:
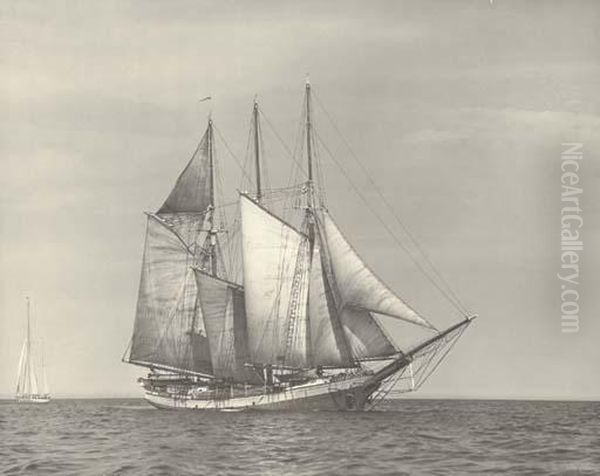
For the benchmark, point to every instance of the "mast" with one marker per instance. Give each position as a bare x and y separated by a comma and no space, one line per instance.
309,145
211,215
257,151
310,219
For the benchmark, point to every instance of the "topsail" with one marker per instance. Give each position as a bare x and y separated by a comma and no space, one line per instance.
192,191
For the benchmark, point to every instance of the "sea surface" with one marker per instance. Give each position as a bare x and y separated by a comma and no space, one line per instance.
412,437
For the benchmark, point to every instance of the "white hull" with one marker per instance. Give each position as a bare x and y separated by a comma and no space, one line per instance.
350,394
33,399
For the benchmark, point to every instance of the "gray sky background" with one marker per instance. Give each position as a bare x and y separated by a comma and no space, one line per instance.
457,108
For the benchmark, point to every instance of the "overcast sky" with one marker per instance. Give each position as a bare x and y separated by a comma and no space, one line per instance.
457,109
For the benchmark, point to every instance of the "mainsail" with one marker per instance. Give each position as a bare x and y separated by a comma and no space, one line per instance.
26,378
27,383
329,344
276,271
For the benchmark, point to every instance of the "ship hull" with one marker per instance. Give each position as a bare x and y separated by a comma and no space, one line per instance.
33,399
346,395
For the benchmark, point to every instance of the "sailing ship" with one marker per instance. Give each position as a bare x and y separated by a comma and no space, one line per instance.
28,390
296,327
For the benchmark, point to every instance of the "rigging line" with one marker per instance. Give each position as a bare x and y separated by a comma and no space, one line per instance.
449,348
387,227
242,183
237,161
393,212
286,148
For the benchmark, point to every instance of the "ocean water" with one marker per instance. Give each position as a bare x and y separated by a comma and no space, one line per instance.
413,437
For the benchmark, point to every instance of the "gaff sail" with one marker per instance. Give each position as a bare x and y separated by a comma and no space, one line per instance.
329,344
224,313
168,331
276,265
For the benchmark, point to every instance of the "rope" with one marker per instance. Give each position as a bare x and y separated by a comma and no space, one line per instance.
449,293
388,229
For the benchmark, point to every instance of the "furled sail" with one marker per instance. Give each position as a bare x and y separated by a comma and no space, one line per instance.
224,314
192,191
329,344
168,329
276,266
356,284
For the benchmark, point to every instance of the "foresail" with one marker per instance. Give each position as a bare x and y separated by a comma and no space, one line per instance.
224,315
191,193
357,285
276,265
329,344
168,330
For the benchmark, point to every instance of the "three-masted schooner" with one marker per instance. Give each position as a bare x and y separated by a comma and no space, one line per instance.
297,329
28,390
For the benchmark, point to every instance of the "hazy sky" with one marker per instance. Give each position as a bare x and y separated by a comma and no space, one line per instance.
457,108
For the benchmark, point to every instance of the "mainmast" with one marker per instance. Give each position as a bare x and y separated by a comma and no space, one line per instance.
257,151
211,215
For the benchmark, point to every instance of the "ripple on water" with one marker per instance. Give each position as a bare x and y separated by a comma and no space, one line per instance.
409,437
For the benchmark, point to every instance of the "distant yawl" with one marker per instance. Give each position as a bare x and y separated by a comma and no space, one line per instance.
27,376
296,330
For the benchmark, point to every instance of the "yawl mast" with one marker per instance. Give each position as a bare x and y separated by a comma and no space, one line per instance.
306,301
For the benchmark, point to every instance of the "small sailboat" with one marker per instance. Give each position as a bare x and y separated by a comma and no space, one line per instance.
28,390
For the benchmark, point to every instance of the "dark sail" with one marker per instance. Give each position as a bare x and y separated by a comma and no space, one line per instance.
192,191
224,314
168,330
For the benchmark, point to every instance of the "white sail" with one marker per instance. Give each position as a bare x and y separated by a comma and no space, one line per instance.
357,285
21,372
329,345
275,282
